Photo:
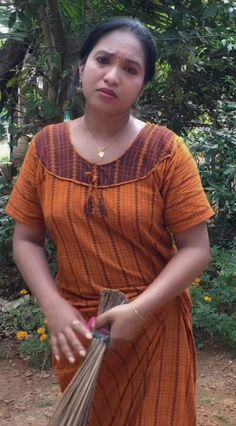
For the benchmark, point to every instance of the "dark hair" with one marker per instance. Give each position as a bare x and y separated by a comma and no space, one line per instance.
123,24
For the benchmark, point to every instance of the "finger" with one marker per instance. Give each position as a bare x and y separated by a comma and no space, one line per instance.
81,328
55,349
91,323
102,320
65,348
75,343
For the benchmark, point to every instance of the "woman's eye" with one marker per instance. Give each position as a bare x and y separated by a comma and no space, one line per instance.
130,70
102,60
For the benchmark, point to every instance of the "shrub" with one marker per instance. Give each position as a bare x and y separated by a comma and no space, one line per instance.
27,324
214,298
214,147
6,223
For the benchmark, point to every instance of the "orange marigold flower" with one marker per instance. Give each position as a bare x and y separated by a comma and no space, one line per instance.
41,330
197,280
22,335
43,337
207,299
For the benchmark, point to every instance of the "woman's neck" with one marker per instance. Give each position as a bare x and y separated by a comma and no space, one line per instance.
104,126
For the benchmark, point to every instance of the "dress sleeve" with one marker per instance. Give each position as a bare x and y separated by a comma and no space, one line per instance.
24,204
186,204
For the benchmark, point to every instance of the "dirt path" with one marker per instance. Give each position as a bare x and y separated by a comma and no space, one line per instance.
28,397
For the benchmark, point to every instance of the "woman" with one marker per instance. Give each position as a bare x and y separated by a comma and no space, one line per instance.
123,202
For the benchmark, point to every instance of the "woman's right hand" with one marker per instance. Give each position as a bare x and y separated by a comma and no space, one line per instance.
69,333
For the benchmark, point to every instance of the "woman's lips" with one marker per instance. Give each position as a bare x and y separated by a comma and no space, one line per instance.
108,93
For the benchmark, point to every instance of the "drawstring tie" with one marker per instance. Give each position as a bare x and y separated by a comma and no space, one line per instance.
94,204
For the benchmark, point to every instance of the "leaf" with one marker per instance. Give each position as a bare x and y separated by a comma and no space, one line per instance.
2,132
230,105
31,108
211,11
66,105
55,59
12,128
12,19
49,109
179,94
12,82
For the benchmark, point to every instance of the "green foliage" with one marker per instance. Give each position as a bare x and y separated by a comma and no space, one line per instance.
6,223
214,147
51,255
214,299
28,318
37,353
196,44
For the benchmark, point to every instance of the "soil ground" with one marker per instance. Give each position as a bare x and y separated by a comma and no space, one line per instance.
29,397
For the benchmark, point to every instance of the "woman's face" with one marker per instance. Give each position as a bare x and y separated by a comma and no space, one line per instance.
113,75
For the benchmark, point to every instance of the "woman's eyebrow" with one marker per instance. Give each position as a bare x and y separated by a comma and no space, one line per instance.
109,53
132,61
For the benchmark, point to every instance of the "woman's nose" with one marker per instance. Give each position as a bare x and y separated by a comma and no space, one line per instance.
112,76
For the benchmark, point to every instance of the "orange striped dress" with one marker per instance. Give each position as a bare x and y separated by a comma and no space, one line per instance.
112,225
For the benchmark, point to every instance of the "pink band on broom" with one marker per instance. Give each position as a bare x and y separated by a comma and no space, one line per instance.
101,333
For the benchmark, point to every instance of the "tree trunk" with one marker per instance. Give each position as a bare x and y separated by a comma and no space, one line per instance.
12,54
54,37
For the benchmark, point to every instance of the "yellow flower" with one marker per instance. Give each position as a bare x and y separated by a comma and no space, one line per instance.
22,335
43,337
207,299
23,292
45,321
197,281
41,330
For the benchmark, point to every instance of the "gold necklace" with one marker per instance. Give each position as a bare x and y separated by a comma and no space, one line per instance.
101,150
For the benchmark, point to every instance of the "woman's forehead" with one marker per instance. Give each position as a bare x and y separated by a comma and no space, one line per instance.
121,43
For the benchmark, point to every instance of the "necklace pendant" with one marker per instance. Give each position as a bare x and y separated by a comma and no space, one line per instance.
101,154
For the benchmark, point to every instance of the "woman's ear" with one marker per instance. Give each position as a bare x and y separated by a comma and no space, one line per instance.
81,70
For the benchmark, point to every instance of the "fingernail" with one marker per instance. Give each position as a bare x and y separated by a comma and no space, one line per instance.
91,323
88,335
71,359
57,358
82,353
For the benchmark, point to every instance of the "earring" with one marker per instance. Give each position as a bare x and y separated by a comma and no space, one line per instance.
79,87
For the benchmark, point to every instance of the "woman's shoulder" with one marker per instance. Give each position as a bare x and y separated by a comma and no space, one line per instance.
49,133
160,141
50,140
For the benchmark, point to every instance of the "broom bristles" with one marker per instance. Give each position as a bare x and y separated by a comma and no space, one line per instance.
75,405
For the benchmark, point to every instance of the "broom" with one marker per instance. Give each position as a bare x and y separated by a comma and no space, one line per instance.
75,405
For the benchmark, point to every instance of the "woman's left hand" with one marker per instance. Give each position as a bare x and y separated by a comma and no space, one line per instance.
125,324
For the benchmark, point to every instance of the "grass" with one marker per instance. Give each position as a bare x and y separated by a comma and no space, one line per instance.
206,400
46,403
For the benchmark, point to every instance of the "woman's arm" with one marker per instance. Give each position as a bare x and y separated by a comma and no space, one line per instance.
191,259
65,323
